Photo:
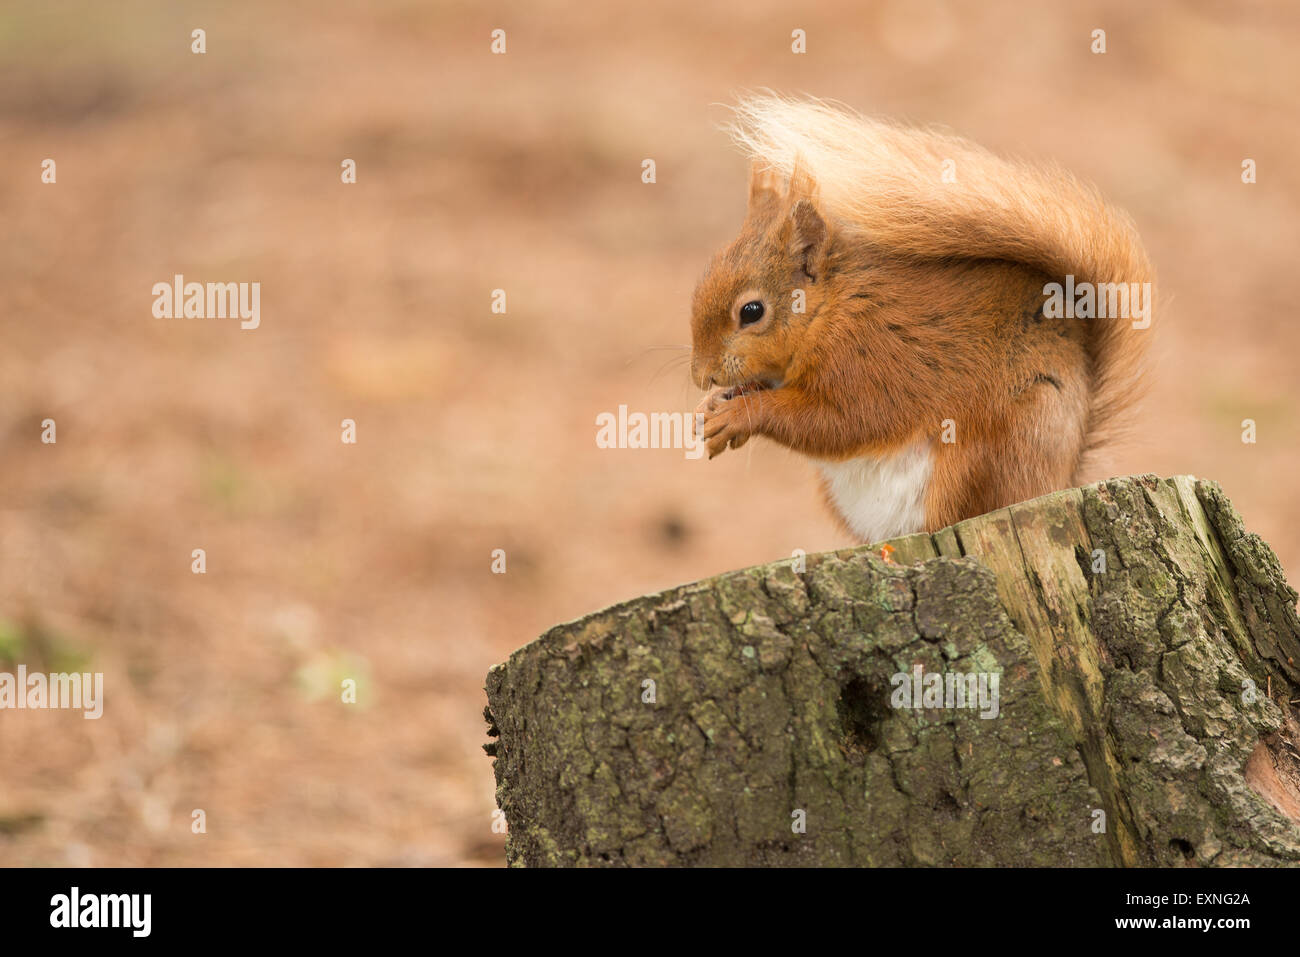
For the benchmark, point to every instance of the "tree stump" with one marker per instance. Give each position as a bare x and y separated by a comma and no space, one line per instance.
1147,659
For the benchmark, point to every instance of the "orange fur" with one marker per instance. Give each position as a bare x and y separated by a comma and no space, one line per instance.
923,304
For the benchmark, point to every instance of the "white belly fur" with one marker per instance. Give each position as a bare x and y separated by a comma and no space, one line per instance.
879,497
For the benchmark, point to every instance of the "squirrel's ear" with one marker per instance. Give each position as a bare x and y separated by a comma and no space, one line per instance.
764,191
809,238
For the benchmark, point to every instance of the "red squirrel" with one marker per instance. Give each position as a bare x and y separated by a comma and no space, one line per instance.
944,332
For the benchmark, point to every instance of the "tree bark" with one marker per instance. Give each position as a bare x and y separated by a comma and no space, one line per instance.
1147,654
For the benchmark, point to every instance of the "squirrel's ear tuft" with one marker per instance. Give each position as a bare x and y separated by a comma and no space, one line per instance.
802,183
809,238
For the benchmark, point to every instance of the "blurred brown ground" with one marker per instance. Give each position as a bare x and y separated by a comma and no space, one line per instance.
476,431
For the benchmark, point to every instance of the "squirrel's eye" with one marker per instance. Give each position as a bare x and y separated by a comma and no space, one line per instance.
750,313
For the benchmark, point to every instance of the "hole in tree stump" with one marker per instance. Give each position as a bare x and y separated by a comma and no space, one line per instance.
863,705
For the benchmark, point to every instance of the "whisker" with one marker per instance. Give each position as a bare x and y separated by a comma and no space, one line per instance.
675,362
633,358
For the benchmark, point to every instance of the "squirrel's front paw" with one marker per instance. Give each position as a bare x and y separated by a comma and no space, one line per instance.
723,420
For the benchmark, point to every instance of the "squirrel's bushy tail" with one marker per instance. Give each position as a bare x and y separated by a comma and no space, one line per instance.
886,182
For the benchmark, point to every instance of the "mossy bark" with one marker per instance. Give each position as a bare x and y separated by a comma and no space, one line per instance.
1147,651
